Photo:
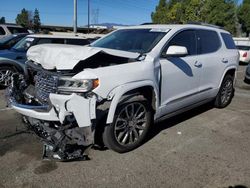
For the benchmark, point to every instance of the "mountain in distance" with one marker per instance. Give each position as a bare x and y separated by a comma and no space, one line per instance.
110,25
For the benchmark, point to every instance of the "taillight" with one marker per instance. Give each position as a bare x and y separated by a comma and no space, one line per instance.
245,54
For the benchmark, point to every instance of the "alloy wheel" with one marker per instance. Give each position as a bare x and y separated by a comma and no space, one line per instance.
130,123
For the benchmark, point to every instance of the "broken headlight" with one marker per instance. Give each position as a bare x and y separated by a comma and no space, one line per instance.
66,84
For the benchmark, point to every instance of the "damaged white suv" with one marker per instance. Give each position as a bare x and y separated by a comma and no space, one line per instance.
114,89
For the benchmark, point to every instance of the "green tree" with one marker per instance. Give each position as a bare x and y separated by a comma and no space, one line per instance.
175,14
160,14
194,10
36,21
2,20
221,13
24,18
244,16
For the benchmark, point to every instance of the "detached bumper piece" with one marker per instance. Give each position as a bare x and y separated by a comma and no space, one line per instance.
62,143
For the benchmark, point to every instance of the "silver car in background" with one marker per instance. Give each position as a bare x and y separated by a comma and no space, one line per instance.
9,29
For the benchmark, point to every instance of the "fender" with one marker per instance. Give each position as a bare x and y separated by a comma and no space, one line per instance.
225,71
116,94
9,62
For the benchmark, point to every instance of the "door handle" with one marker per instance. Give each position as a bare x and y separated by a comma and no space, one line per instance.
198,64
224,60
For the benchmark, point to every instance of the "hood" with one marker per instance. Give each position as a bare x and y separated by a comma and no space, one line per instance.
65,57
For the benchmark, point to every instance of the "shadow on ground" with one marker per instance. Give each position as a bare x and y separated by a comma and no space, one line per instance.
175,120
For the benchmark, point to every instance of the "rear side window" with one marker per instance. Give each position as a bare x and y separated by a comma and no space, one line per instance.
228,40
77,41
2,32
208,41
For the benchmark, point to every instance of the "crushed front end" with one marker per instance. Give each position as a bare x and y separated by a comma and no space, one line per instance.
58,109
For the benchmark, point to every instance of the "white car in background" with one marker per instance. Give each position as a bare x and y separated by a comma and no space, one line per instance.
243,45
244,53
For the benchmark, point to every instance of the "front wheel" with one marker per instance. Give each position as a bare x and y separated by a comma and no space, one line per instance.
130,126
226,92
6,74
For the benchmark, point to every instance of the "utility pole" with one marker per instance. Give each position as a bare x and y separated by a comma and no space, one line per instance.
75,16
88,14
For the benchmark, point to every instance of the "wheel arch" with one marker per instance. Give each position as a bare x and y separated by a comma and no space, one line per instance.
231,71
15,64
123,92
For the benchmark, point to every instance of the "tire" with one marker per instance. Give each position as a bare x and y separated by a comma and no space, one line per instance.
226,92
130,126
6,73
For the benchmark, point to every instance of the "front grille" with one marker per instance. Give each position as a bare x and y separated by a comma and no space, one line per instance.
44,85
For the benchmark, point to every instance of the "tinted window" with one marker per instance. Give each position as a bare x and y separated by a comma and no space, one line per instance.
186,39
243,48
77,41
58,41
208,41
50,40
2,32
228,40
14,30
44,41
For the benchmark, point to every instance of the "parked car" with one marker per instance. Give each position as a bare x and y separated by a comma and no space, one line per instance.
9,29
247,76
243,45
128,79
9,41
12,60
244,53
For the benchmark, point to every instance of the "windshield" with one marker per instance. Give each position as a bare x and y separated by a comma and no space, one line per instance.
24,44
132,40
6,39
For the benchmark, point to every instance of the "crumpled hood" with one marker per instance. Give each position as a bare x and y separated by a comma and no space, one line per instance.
65,57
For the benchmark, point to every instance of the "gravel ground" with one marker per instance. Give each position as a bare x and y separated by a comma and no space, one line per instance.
205,147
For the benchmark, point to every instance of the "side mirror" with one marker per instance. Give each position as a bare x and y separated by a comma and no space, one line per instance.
176,51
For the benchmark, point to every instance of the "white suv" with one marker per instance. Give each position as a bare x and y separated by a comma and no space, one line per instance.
114,89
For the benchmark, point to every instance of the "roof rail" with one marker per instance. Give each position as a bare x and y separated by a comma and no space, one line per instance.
205,24
147,23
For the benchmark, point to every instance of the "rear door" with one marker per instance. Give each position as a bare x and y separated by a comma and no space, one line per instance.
212,59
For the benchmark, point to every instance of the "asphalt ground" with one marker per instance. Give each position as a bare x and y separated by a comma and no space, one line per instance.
205,147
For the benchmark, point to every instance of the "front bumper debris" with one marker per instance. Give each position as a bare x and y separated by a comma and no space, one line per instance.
64,125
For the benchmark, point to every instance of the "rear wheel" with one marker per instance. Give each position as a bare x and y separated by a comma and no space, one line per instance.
130,126
6,74
226,92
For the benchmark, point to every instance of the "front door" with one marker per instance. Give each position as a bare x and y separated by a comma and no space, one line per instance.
180,75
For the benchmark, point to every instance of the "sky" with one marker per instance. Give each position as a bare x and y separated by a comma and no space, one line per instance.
60,12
